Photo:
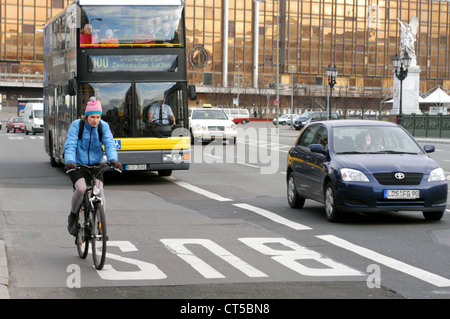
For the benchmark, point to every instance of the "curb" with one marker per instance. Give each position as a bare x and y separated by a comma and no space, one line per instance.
4,273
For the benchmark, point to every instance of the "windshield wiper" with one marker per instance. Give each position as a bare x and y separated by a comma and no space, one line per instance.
392,152
152,128
352,152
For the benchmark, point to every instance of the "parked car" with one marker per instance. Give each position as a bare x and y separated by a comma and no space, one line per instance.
281,120
340,164
15,124
207,124
308,117
292,118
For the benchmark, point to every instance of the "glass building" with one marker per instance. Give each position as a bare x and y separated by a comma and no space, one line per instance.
21,46
232,46
360,37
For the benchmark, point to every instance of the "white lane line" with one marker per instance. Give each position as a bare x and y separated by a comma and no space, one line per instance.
274,217
202,191
388,261
246,164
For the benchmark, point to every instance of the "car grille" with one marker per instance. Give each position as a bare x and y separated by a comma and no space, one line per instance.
216,128
389,179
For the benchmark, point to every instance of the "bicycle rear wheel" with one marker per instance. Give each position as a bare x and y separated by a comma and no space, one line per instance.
82,238
99,237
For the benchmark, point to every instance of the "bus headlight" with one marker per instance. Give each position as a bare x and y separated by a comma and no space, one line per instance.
173,157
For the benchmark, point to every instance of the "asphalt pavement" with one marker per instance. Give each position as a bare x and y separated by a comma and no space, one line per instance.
7,112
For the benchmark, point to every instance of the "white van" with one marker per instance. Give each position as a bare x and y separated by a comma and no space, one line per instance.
33,118
238,115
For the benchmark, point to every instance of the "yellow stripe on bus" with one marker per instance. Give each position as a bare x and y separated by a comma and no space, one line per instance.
151,143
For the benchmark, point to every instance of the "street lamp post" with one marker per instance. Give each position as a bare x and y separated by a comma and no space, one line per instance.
278,62
238,67
401,66
332,73
292,97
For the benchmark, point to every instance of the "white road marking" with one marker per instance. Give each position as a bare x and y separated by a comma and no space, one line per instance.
177,246
274,217
388,261
203,192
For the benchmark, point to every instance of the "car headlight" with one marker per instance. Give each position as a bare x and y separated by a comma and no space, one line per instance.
437,175
198,127
353,175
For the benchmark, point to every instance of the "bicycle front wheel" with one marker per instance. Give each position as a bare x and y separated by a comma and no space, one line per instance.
82,238
98,236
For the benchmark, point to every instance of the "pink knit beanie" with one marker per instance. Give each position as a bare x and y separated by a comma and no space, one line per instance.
93,107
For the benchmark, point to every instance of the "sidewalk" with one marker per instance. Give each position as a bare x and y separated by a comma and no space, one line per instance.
4,273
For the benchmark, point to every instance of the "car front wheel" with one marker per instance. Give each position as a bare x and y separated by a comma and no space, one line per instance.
294,199
333,215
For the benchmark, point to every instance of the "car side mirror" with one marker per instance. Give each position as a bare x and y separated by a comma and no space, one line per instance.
317,148
429,148
192,92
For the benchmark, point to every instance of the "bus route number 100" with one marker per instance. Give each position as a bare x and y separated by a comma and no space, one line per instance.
100,62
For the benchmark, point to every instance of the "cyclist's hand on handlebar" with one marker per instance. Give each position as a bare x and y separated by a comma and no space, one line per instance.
70,166
117,165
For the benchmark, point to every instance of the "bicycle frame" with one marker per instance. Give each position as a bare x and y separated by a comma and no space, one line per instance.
93,226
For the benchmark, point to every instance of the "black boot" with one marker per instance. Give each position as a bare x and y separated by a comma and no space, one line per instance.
72,224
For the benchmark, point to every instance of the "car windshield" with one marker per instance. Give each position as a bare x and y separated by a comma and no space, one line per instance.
209,115
373,140
18,120
38,114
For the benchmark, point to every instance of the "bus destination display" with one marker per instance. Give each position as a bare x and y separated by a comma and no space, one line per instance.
133,63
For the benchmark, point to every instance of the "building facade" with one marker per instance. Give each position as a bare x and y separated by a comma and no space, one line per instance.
21,46
235,46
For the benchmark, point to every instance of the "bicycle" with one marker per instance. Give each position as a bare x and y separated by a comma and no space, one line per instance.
91,218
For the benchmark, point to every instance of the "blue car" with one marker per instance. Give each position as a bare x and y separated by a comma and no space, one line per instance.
364,166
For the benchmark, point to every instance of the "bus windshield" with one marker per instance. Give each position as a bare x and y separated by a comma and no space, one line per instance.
126,26
126,119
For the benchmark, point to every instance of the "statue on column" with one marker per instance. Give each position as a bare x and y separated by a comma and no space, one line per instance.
408,35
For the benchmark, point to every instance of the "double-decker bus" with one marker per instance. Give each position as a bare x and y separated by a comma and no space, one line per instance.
133,56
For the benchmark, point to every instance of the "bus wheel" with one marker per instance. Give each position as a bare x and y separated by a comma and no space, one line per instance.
165,172
53,162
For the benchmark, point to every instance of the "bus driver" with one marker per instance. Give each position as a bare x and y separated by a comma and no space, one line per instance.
161,111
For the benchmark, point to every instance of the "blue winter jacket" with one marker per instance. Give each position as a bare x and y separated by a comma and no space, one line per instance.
88,150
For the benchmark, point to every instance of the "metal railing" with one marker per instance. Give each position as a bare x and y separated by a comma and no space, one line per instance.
425,125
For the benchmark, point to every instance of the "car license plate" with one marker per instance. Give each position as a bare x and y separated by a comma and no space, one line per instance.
140,167
216,134
401,194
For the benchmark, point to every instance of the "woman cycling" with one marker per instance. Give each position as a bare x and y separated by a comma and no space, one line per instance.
87,150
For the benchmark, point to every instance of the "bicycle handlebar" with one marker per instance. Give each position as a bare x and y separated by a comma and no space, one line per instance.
102,167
